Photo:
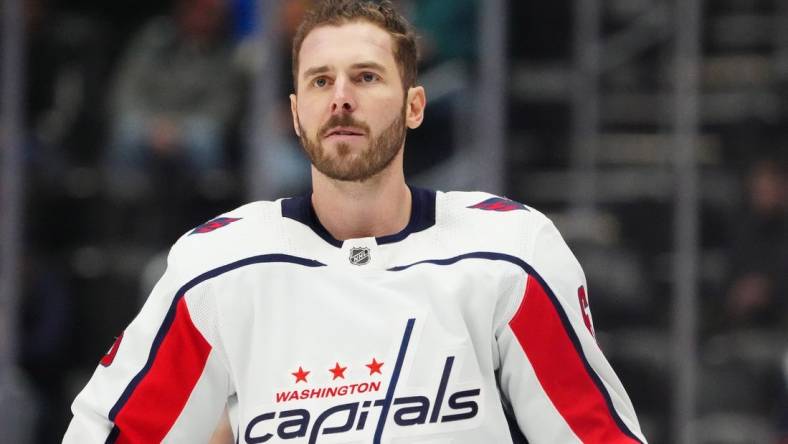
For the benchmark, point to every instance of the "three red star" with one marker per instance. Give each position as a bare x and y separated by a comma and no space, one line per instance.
300,375
339,372
374,367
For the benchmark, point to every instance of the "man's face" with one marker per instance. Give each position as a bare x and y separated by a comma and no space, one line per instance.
351,110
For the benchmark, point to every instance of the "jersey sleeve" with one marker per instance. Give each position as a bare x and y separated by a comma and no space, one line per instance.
556,382
164,378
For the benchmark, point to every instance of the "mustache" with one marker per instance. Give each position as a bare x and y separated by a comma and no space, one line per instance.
342,120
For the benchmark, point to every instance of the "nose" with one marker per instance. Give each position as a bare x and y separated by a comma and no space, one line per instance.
343,100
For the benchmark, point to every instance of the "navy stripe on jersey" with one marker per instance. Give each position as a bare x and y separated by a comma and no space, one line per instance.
559,309
393,383
168,319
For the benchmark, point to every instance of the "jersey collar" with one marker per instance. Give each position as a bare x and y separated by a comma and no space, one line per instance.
422,216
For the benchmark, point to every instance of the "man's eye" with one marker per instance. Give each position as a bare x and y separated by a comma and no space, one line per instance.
320,82
368,77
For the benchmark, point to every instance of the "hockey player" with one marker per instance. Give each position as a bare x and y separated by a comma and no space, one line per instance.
368,311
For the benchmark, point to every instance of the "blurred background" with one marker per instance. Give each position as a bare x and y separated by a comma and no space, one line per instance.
652,131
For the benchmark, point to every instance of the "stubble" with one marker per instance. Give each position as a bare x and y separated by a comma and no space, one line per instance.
344,165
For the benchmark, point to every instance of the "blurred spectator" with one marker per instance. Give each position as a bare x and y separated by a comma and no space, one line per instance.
447,53
176,91
758,293
282,160
447,31
174,105
65,55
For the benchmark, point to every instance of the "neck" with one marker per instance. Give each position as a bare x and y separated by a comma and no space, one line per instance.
376,207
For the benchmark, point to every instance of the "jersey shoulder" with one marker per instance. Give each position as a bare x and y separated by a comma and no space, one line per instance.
487,222
250,230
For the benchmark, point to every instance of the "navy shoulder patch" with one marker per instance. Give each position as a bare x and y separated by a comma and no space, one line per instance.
214,224
499,204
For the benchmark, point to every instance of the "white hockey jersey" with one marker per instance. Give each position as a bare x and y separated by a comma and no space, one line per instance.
470,326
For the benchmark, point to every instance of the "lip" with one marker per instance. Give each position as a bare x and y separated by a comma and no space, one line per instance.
344,131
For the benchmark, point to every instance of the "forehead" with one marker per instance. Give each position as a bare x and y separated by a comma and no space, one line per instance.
347,43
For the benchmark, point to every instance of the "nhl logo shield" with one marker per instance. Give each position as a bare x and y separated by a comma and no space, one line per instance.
359,256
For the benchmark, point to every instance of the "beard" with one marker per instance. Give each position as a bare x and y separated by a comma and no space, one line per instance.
349,167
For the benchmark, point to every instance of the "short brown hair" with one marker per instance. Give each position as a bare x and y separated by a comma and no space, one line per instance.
381,13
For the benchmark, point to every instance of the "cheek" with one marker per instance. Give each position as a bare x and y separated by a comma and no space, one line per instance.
307,117
388,99
388,108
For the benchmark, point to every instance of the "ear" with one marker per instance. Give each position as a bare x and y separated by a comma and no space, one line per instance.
294,112
416,102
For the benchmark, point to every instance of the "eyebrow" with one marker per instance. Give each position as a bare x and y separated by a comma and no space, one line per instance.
369,65
361,65
315,70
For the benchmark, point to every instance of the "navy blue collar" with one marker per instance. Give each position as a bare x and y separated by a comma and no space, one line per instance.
422,216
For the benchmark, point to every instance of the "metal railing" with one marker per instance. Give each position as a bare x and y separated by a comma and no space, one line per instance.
11,202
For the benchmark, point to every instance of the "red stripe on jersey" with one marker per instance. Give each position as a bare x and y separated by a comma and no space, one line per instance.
561,370
160,396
